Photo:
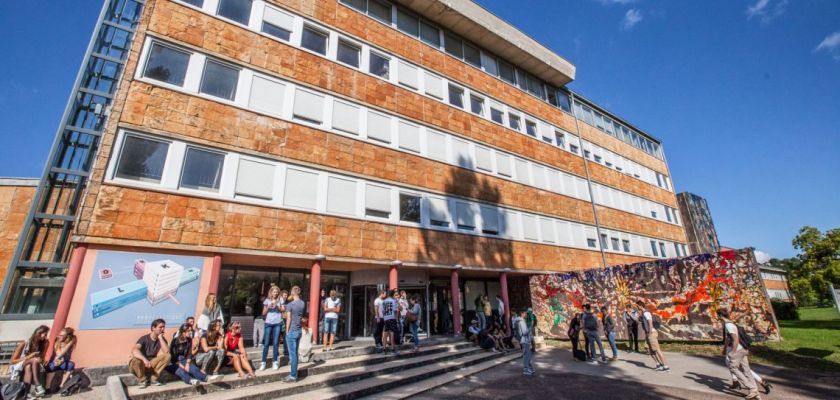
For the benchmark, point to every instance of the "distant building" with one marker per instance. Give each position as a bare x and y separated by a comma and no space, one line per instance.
776,282
699,228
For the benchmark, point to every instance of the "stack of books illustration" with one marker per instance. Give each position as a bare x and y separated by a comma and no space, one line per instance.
155,281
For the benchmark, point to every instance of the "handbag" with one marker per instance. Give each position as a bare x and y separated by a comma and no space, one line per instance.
411,317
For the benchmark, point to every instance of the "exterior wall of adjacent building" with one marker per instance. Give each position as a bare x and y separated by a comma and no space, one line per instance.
776,283
15,198
699,227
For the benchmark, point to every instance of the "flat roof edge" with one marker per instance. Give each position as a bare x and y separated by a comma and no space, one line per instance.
18,181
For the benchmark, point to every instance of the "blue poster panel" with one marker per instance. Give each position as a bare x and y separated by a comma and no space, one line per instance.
130,290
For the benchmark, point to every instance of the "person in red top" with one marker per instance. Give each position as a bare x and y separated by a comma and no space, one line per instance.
236,351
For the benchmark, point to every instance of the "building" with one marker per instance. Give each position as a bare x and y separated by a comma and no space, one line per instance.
345,145
699,227
776,282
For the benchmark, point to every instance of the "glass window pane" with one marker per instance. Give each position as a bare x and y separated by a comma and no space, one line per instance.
380,10
452,44
477,105
197,3
314,40
531,128
408,23
348,53
456,96
202,169
429,34
472,55
379,65
563,101
166,64
506,72
142,159
360,5
513,120
409,208
236,10
497,115
219,80
276,31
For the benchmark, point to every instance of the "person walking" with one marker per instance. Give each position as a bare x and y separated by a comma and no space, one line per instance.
631,319
390,310
211,312
259,321
413,319
590,327
609,329
332,306
650,326
211,350
272,313
235,351
28,359
403,303
378,323
737,349
294,312
525,340
575,325
150,355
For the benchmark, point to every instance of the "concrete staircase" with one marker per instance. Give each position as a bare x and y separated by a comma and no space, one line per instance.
341,374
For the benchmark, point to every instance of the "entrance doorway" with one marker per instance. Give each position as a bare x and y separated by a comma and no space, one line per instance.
362,314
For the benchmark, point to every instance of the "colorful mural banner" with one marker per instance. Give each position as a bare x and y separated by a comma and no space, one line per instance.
685,291
130,290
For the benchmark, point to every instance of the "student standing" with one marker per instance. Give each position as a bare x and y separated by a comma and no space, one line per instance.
62,354
259,321
500,306
294,312
631,318
211,349
609,329
235,349
403,303
378,323
737,350
332,306
590,327
211,312
479,311
488,312
413,318
150,355
28,359
390,309
574,333
273,319
525,340
652,339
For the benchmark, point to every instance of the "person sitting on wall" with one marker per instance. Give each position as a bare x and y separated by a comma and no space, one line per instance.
182,352
235,349
150,355
211,351
62,351
28,359
473,331
189,321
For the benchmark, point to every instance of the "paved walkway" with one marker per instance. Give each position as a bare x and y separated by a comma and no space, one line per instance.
631,377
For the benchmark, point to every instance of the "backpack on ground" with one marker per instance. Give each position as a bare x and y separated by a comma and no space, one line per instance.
77,382
579,354
15,390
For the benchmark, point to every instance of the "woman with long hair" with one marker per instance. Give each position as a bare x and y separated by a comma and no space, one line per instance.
183,352
211,312
62,353
305,346
29,359
235,349
212,350
272,310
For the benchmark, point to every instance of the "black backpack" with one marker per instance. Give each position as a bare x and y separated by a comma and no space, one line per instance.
77,382
744,338
657,322
15,390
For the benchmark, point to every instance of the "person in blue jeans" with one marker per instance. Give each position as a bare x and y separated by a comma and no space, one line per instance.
272,310
183,353
609,329
331,307
294,311
414,312
590,328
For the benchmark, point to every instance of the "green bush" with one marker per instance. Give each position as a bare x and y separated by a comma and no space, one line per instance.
785,310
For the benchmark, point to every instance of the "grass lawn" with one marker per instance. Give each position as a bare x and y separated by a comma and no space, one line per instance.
812,343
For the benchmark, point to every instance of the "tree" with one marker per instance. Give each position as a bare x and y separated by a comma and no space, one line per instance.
818,265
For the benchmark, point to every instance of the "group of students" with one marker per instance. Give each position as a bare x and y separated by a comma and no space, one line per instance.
485,314
393,312
28,362
198,350
494,337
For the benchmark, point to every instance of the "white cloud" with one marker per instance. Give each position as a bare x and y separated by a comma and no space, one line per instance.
631,18
610,2
831,45
762,257
767,10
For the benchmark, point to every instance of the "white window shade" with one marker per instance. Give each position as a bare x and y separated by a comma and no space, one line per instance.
591,233
564,236
436,144
434,86
503,164
407,75
301,189
583,191
267,95
554,181
539,176
466,215
529,227
489,219
309,106
341,196
409,136
278,18
522,174
255,179
378,198
461,153
547,228
438,211
483,158
379,127
569,188
346,117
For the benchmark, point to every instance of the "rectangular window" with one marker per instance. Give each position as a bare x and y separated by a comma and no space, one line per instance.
377,201
453,45
380,10
197,3
235,10
436,145
513,121
668,214
531,128
438,212
506,72
341,196
407,75
300,189
408,23
489,220
266,95
591,243
166,64
563,101
430,34
202,169
409,136
560,139
409,208
653,213
539,176
379,65
498,116
547,228
614,242
529,227
466,216
522,174
219,80
314,40
483,158
348,53
587,154
308,107
255,179
456,96
379,127
503,165
604,241
477,105
461,153
662,249
142,159
573,148
472,55
653,248
489,64
434,85
626,245
598,159
345,117
277,23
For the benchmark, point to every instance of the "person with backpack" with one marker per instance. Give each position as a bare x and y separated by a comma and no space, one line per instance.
737,348
590,328
650,323
631,319
609,329
523,335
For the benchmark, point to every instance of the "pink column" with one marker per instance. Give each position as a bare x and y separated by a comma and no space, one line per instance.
214,274
70,282
393,276
315,295
504,289
456,302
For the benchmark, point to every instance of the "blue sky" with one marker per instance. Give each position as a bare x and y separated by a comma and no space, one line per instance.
745,94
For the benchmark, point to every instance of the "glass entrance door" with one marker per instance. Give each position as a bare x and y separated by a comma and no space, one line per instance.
362,298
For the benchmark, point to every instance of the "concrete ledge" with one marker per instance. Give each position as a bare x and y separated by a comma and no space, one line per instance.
115,388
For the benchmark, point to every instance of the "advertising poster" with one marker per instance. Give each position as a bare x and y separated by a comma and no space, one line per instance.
130,290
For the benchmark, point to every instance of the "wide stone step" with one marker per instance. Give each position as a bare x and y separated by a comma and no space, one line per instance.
311,384
178,389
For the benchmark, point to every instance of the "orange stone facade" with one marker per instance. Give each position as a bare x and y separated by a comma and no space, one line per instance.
15,199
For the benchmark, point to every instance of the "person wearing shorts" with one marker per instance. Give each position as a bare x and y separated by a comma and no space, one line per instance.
390,309
652,340
332,306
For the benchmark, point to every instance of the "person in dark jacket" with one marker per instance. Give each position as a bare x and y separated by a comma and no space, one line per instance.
590,328
574,332
609,329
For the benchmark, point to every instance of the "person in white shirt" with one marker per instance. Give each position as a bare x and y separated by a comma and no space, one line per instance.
500,306
390,310
332,306
379,324
652,339
739,364
402,301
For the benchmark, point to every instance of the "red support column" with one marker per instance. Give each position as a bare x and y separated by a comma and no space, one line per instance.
456,302
70,282
393,276
315,295
215,270
504,290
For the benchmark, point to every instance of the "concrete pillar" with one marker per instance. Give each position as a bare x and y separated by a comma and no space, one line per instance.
456,301
70,282
315,295
393,275
215,270
504,290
